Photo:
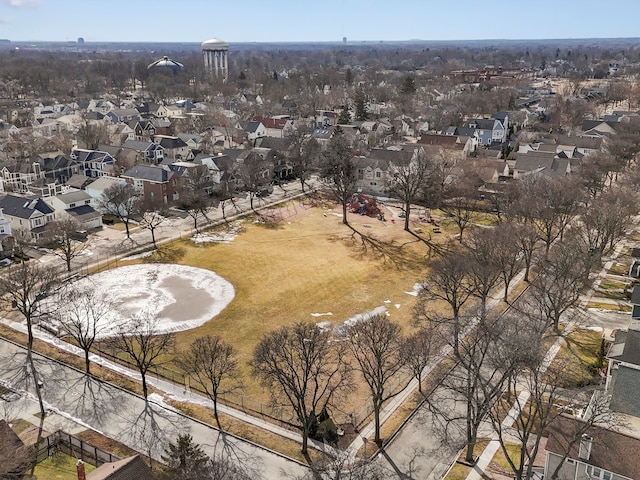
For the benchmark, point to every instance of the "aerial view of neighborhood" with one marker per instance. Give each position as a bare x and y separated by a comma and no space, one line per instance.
328,260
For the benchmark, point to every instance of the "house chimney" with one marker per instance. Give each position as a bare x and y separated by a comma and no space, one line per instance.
585,447
80,470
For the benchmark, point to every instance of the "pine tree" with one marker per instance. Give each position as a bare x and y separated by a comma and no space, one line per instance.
360,101
345,116
185,459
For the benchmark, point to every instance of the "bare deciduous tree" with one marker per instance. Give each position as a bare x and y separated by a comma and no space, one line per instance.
26,286
210,362
449,280
62,235
302,363
83,316
142,343
376,343
418,350
151,220
339,171
407,178
122,201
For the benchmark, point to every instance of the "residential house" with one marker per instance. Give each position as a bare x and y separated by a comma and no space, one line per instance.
251,98
126,469
490,130
545,163
155,184
255,130
462,145
599,128
97,187
215,163
27,214
7,242
174,147
623,373
120,133
101,106
374,170
13,452
77,205
57,167
145,151
170,111
123,115
277,127
18,177
193,140
599,454
95,163
143,130
196,176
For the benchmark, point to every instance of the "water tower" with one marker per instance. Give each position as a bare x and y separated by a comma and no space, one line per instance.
215,53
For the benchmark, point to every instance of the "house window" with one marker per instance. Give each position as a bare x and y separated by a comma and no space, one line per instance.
378,174
37,222
597,473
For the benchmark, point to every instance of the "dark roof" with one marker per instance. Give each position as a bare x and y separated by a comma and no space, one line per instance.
610,450
22,207
450,141
635,295
132,468
590,124
252,126
150,173
482,123
626,347
85,211
172,142
623,389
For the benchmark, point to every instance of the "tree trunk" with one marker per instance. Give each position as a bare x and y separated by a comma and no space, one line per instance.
215,410
305,438
126,227
344,213
68,260
145,391
376,414
87,363
153,238
407,212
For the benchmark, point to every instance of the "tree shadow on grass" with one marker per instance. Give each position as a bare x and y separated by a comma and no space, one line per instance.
169,253
389,252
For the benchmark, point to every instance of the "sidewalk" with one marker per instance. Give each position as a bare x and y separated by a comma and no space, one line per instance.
145,426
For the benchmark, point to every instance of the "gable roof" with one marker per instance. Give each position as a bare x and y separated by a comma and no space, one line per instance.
22,207
275,123
610,450
149,173
132,468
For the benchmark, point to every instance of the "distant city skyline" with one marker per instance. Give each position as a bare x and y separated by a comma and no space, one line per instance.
306,21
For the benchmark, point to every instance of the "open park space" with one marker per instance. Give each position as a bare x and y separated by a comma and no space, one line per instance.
303,266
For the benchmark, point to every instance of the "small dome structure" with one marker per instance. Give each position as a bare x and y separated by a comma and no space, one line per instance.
166,63
214,44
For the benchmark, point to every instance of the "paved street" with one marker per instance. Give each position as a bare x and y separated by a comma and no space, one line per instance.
144,426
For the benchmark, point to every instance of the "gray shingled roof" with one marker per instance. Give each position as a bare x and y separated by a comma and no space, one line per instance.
150,173
22,207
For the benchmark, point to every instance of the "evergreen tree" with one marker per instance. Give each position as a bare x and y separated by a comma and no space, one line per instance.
345,116
360,101
408,86
185,459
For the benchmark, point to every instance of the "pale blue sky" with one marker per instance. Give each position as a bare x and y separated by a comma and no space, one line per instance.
321,20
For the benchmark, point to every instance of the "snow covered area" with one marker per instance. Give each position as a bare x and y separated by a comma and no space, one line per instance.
218,237
178,296
417,288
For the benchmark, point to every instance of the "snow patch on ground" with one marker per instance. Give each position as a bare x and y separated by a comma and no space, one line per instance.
159,400
417,288
140,255
321,314
326,325
179,297
218,237
360,317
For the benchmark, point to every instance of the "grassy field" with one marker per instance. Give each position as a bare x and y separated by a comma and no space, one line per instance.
580,355
59,467
308,263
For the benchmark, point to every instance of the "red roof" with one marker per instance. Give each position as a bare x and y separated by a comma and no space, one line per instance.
277,123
